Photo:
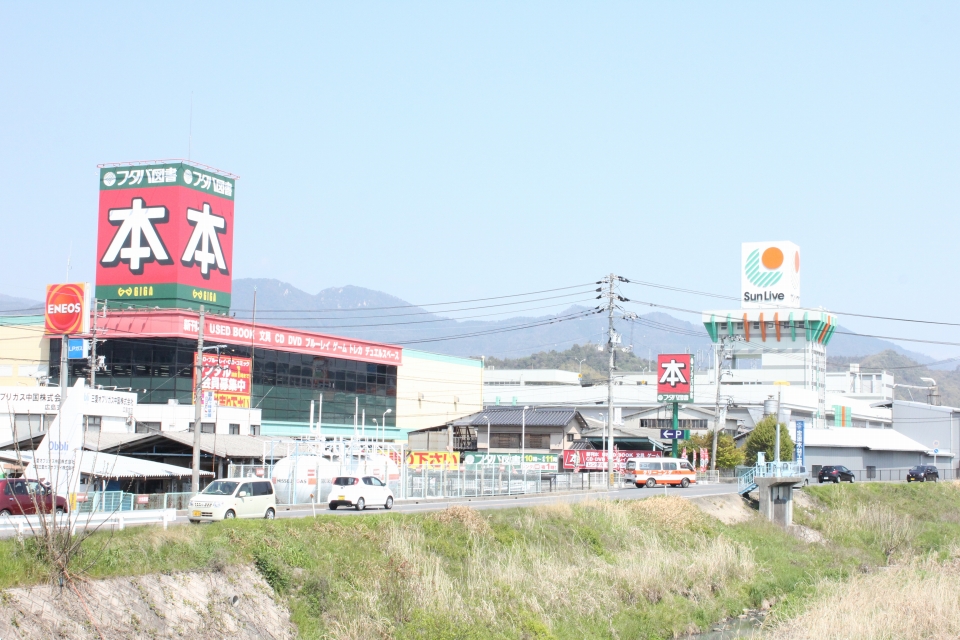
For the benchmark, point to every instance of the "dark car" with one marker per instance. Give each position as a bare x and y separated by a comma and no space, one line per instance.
923,473
19,497
835,473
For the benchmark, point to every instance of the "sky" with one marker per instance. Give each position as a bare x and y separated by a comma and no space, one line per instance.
448,151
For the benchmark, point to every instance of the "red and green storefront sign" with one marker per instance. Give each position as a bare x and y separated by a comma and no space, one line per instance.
165,236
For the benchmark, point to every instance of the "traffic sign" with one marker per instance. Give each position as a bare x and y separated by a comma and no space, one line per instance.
78,349
675,434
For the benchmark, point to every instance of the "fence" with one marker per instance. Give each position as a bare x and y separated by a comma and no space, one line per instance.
30,525
472,481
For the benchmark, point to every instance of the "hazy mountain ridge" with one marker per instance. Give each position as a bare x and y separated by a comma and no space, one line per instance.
358,312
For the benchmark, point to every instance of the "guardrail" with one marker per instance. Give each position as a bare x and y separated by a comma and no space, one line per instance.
31,525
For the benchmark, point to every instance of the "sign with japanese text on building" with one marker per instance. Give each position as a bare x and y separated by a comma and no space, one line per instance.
185,324
165,236
437,459
228,378
67,309
531,461
675,377
594,460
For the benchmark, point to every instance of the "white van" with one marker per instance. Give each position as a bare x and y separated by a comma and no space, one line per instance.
228,499
649,472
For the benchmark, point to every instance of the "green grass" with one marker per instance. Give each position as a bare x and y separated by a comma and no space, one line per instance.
647,569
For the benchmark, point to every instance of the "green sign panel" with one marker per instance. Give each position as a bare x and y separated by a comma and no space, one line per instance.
546,461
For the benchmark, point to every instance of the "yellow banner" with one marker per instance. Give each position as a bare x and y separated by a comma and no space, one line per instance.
445,459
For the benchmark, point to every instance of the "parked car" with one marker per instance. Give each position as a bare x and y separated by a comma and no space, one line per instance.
831,473
923,473
360,492
228,499
20,497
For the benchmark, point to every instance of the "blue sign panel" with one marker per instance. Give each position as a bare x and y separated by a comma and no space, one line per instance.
77,349
674,434
798,446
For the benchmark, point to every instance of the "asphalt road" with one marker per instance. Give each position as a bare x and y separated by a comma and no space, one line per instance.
507,502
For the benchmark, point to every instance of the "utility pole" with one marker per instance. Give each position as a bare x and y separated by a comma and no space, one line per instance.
719,420
64,379
611,346
197,413
93,348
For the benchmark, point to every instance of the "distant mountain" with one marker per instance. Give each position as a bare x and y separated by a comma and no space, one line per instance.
19,306
373,315
846,344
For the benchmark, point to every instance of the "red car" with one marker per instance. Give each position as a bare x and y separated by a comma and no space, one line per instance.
19,497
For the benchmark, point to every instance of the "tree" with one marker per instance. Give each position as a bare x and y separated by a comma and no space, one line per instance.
728,455
763,438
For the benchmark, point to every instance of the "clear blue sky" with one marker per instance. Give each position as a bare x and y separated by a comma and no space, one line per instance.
457,150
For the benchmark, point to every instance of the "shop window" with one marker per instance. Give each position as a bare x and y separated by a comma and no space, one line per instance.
537,441
254,429
207,427
569,437
92,423
147,427
234,429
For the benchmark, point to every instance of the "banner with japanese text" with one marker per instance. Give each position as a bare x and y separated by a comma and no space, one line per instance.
531,461
443,459
594,460
228,378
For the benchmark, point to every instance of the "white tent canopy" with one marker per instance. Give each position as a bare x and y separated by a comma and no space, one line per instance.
106,465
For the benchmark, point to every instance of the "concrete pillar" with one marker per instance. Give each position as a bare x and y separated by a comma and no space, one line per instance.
776,498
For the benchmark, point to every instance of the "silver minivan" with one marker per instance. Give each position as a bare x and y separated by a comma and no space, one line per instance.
228,499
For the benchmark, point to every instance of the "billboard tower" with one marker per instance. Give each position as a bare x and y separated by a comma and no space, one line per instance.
165,236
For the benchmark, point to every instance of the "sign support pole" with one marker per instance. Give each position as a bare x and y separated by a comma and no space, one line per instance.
64,378
197,399
676,427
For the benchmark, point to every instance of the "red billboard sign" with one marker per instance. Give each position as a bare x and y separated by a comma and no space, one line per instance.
165,236
675,377
594,460
228,377
185,324
67,309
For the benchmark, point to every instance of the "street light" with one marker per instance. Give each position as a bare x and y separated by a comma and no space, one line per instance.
523,430
488,433
376,424
384,422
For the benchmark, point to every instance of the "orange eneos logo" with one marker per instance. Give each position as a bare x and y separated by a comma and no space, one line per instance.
65,309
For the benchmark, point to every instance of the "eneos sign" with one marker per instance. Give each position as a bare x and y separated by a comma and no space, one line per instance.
165,236
675,377
67,309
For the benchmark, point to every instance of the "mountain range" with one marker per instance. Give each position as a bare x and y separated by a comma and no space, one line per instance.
357,312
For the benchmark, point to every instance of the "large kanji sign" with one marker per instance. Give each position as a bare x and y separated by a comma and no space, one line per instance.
226,377
674,377
165,236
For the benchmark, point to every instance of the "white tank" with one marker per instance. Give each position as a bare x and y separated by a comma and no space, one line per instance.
770,406
296,478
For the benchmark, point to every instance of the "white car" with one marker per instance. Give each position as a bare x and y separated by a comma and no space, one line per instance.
360,492
228,499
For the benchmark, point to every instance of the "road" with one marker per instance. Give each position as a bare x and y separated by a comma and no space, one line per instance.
507,502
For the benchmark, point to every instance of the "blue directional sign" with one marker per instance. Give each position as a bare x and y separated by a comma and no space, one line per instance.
78,349
675,434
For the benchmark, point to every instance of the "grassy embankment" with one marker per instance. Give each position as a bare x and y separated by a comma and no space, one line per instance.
643,569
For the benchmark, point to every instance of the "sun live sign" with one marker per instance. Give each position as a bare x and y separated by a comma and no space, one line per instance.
165,236
769,274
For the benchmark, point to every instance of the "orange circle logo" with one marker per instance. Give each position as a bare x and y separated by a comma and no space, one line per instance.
772,258
64,310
